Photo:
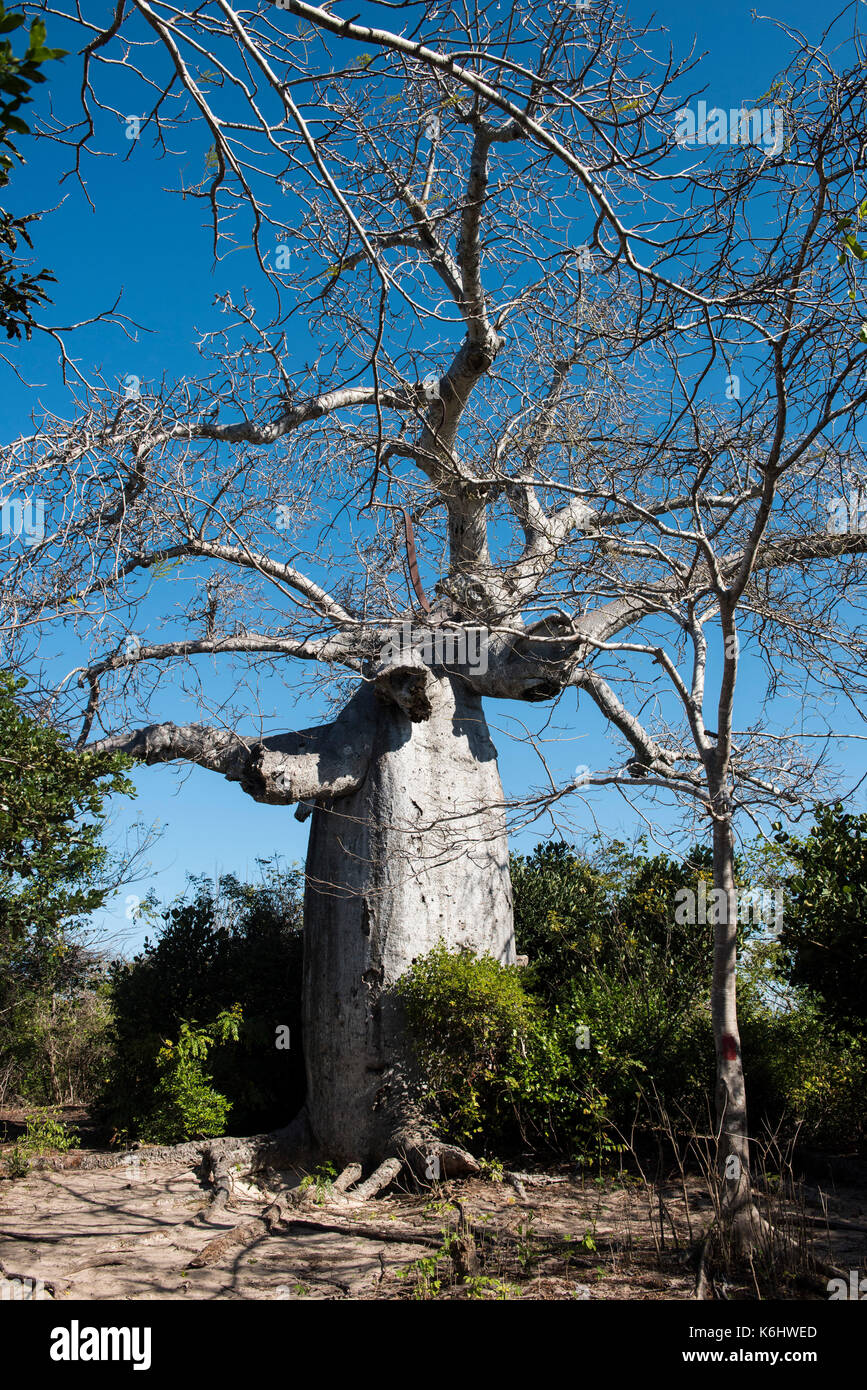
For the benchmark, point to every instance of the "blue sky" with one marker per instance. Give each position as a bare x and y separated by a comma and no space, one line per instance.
151,243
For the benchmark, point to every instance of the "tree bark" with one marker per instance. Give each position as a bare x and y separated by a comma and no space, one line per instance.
407,848
731,1103
417,854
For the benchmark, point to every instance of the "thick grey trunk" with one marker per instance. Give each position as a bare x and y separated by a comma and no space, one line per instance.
417,854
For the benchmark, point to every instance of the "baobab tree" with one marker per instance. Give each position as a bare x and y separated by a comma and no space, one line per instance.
494,461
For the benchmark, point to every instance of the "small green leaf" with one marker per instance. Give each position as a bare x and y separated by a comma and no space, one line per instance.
854,246
38,34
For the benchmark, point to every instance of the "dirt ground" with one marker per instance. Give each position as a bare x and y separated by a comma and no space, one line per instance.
135,1232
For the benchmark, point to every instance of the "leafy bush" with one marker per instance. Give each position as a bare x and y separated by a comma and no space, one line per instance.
322,1179
44,1133
243,946
804,1076
502,1051
559,900
611,915
54,870
495,1063
186,1106
58,1045
823,936
472,1021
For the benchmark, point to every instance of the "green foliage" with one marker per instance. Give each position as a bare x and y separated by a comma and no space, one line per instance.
495,1063
472,1022
613,914
52,809
823,938
19,290
500,1052
322,1178
803,1075
17,1163
558,899
243,946
425,1273
44,1133
57,1045
53,872
482,1286
492,1169
607,953
186,1104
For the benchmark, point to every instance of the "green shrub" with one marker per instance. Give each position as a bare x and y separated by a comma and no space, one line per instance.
186,1105
612,914
58,1038
823,938
243,945
804,1076
495,1062
471,1021
44,1133
54,871
641,1045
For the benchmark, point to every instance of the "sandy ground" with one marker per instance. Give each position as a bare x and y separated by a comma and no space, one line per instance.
134,1232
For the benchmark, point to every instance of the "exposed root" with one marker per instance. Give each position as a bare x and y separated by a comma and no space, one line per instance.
291,1147
349,1176
745,1234
221,1176
432,1160
515,1180
283,1210
240,1235
536,1179
392,1235
281,1149
381,1178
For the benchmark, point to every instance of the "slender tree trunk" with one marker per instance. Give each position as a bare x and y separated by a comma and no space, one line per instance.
416,855
731,1104
56,1095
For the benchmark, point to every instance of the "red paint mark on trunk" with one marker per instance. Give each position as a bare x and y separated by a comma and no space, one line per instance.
729,1048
